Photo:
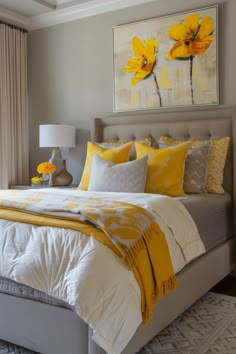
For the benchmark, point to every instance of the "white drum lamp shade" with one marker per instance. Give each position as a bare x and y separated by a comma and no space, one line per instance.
56,135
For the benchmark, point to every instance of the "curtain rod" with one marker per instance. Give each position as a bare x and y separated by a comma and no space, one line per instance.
2,22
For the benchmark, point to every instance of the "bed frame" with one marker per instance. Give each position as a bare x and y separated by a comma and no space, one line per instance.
55,330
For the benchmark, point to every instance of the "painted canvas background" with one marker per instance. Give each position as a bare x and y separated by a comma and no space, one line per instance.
173,77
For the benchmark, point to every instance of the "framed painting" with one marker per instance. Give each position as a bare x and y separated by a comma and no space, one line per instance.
167,61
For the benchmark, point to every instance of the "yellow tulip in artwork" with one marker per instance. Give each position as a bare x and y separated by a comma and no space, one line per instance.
193,37
143,62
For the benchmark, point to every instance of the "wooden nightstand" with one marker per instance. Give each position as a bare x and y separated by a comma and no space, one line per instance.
21,187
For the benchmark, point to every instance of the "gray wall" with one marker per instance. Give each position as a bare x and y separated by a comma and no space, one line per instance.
70,71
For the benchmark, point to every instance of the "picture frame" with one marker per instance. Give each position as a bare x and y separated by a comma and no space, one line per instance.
165,62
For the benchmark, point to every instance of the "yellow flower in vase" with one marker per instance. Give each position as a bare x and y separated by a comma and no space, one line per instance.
46,169
37,180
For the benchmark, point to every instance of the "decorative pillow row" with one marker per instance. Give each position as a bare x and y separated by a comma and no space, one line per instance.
165,167
216,160
177,167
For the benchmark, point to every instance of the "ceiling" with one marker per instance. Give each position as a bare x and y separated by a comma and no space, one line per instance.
29,8
36,14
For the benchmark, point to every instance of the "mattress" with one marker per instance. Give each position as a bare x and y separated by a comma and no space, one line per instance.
11,287
211,213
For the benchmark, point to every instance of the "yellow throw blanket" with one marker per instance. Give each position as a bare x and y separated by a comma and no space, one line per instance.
127,229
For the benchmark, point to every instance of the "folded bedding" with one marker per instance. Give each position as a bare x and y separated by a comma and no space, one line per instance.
80,270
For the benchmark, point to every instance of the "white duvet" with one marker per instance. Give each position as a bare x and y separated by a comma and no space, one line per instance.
86,274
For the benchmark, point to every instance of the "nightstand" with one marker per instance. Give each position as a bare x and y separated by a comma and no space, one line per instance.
22,187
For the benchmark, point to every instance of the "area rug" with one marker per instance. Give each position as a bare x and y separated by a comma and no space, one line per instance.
208,327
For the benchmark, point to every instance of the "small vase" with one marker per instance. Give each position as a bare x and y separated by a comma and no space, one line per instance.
45,178
36,185
50,181
63,177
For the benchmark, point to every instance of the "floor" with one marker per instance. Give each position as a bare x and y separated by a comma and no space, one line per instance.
227,286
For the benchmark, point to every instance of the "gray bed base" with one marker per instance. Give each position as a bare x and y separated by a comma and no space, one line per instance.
54,330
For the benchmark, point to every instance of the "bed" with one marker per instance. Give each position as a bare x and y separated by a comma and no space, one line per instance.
50,329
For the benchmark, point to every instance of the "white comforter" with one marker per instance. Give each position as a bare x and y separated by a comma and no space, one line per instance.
86,274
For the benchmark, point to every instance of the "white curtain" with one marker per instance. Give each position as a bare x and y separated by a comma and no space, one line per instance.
14,146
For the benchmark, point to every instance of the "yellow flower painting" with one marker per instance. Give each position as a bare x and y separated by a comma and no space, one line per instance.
167,62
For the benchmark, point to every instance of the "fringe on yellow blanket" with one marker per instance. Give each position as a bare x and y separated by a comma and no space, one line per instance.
150,261
148,257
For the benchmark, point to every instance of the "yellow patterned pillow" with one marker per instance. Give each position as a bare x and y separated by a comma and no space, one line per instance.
165,168
216,161
117,155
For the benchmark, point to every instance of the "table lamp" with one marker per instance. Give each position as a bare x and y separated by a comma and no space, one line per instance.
57,136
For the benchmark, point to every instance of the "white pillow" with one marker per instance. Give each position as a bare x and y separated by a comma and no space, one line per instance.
128,177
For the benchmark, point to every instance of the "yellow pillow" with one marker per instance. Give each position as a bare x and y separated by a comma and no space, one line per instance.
165,168
117,155
112,144
216,161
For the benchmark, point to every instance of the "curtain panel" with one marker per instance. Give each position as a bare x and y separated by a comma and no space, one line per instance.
14,142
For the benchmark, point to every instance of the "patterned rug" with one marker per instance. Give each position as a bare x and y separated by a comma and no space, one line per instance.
208,327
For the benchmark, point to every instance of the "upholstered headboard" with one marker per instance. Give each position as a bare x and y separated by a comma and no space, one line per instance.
213,123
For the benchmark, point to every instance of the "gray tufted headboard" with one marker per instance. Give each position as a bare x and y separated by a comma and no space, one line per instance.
204,124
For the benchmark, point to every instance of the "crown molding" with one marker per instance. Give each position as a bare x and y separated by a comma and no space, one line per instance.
14,17
60,2
47,3
91,8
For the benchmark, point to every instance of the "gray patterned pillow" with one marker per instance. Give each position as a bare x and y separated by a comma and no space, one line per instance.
195,174
128,177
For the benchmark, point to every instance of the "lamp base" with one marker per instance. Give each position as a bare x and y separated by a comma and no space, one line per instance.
57,160
63,177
